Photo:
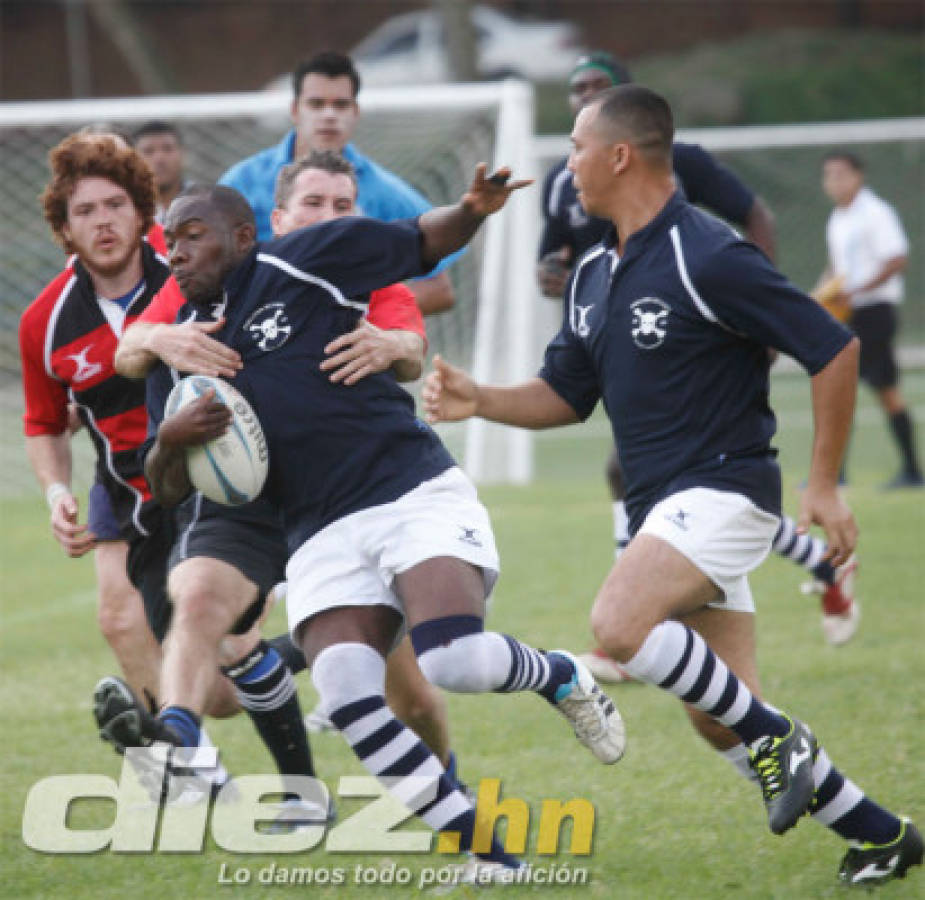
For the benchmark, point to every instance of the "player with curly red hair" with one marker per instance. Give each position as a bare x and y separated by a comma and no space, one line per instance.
99,203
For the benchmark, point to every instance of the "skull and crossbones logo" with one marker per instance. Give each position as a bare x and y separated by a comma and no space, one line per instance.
650,322
269,326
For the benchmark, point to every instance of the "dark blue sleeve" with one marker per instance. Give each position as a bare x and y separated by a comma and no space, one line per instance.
710,184
567,368
556,233
354,254
158,385
744,290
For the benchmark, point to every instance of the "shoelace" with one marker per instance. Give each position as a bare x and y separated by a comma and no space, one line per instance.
766,765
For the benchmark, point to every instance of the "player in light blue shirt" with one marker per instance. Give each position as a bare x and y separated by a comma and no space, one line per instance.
324,114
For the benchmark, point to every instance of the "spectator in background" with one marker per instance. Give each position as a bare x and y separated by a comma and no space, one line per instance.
868,251
160,145
324,115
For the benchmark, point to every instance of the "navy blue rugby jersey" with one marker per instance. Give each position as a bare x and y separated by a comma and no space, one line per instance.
334,449
196,508
703,180
673,338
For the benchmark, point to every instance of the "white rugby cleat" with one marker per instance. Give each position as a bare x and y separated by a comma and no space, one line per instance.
593,715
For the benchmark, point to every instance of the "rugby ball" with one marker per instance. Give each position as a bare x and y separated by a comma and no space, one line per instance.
231,469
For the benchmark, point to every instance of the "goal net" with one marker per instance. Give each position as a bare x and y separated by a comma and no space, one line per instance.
431,136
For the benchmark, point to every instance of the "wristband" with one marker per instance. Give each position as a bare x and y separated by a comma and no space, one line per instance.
54,492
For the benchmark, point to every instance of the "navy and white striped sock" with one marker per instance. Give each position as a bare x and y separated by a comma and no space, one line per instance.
386,747
267,692
535,670
803,549
842,806
456,654
678,660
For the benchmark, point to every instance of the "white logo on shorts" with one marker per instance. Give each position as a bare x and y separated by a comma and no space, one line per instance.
468,536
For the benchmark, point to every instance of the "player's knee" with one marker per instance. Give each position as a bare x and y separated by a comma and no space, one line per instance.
453,653
197,605
120,615
613,635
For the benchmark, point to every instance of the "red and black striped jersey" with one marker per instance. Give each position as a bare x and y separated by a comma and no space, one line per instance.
67,342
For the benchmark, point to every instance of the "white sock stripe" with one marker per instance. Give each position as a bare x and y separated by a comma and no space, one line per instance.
716,687
816,553
446,810
272,699
821,767
366,725
659,654
739,707
693,669
844,801
784,535
393,751
410,789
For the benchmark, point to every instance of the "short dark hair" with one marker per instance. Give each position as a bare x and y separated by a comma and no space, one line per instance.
228,201
157,126
326,160
329,63
605,62
845,156
644,116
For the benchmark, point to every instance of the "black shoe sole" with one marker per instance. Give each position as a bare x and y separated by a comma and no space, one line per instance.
117,715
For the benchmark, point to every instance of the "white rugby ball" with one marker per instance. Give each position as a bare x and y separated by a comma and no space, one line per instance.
231,469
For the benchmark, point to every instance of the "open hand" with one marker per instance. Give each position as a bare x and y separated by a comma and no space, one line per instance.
825,507
488,193
361,352
189,348
449,394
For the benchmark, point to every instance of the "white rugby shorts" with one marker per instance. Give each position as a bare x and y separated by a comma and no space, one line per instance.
352,561
724,534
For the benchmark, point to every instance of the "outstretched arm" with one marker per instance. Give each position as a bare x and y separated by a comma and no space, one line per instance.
450,395
833,391
446,229
433,295
186,348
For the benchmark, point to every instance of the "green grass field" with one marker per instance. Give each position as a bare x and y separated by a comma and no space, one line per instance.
673,821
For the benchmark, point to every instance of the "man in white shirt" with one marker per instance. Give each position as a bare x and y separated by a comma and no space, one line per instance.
868,251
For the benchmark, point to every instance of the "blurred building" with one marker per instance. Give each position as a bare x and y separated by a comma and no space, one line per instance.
98,48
